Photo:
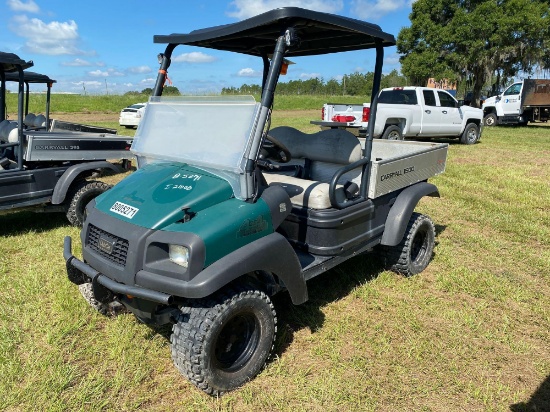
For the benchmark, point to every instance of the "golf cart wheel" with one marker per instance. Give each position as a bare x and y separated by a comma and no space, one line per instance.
490,120
112,308
414,253
220,343
79,196
392,133
470,134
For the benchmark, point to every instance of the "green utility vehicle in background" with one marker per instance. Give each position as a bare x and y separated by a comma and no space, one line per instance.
216,220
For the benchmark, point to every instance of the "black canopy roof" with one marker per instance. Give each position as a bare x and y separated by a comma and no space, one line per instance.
30,77
320,33
10,61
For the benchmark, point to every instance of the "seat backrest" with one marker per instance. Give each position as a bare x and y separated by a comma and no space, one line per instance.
328,150
331,146
3,124
40,121
8,132
29,120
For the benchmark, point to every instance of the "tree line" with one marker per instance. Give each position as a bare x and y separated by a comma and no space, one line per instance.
355,84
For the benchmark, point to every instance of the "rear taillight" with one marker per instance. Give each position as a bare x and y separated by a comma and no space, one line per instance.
366,114
343,118
323,113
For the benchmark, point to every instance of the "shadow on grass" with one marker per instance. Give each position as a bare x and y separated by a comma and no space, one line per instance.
19,223
540,400
322,290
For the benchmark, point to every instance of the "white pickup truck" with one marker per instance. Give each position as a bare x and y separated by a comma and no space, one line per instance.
409,112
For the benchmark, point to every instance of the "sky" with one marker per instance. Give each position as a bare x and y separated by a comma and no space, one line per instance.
106,47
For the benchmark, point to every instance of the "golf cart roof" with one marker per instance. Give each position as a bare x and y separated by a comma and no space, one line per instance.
320,33
10,61
30,77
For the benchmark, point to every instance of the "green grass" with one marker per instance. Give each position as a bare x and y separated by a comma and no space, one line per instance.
472,332
75,103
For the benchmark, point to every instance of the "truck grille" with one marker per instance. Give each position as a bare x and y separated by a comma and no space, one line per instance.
117,247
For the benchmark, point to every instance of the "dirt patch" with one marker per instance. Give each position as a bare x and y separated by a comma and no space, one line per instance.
85,117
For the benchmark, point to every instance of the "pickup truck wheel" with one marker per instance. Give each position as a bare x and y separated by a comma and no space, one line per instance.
112,308
79,196
413,254
470,134
392,133
490,120
222,342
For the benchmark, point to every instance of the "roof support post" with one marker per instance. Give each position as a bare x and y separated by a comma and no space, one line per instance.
372,119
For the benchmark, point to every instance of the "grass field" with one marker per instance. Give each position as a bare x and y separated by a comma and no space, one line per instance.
471,333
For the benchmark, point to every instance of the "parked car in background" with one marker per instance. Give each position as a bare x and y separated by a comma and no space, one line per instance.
131,116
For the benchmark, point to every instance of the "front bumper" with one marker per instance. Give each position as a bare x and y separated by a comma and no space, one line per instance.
80,272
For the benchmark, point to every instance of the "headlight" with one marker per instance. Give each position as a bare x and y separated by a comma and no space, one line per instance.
179,255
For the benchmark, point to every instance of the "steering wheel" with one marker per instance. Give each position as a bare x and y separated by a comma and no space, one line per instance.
273,148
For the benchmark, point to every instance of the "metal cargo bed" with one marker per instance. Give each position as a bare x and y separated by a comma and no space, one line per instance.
398,164
44,146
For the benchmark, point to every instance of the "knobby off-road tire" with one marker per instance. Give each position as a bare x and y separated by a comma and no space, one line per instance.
79,196
470,134
112,308
220,343
414,253
392,133
490,120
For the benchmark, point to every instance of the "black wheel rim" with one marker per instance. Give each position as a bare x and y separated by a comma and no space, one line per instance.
237,342
419,247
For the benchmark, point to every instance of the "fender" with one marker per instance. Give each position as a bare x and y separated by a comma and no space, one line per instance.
65,181
272,253
402,209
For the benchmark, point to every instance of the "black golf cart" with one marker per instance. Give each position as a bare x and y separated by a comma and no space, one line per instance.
42,168
217,220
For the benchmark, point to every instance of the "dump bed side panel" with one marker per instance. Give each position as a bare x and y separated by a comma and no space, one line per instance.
397,164
75,146
536,92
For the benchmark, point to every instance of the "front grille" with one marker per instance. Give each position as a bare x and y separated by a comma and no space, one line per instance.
119,249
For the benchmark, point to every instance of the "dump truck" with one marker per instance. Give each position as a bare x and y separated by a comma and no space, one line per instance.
521,103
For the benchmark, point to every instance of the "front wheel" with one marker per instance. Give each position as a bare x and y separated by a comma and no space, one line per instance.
392,133
222,342
111,308
490,120
80,196
470,134
413,254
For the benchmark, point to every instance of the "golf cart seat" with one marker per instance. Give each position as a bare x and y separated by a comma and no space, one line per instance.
319,155
29,119
8,132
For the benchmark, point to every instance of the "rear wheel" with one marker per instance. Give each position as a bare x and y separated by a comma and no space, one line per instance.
470,134
222,342
392,133
79,196
413,254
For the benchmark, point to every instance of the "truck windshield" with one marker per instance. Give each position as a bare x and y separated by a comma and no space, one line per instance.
210,132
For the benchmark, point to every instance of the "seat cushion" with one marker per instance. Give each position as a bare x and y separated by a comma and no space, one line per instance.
305,193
